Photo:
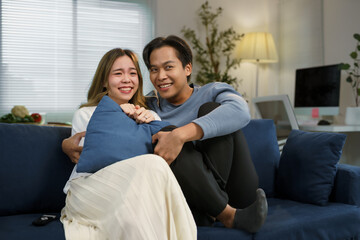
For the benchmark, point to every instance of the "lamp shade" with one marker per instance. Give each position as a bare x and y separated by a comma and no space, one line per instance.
257,47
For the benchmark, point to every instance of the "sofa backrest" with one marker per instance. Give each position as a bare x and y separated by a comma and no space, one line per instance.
33,168
260,135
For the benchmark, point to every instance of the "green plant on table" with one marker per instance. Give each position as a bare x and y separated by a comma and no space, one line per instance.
217,48
353,72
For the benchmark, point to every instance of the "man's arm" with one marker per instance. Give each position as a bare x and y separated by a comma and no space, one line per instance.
169,144
70,146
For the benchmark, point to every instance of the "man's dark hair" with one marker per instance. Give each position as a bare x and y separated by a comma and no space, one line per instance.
183,51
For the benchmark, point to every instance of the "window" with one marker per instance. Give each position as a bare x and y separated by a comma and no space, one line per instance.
49,50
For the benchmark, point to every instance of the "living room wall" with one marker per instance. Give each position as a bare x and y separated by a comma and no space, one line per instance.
334,22
341,21
244,16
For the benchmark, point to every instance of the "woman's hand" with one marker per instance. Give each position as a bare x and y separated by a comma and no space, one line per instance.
139,114
143,116
129,109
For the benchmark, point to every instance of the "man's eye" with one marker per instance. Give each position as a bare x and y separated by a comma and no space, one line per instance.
168,67
153,69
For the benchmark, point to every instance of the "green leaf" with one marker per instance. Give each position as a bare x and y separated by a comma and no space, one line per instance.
358,91
353,55
357,36
344,66
358,47
349,79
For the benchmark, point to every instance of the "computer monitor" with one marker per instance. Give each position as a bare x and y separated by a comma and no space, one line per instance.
317,88
279,109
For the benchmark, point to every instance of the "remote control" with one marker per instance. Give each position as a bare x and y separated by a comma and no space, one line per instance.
43,220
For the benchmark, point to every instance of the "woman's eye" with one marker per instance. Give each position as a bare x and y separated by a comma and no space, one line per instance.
133,73
118,73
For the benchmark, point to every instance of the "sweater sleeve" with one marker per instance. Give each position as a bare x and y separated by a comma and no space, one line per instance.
232,114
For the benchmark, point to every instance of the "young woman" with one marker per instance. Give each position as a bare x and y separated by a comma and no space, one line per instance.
134,199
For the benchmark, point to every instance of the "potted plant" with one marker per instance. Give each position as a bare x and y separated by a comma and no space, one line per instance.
353,78
215,53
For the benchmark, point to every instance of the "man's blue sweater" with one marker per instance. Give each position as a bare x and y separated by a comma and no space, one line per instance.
232,115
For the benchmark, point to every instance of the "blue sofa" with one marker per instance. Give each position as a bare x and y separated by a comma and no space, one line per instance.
34,170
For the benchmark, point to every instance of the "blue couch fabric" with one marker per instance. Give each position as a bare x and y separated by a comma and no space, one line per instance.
34,170
293,220
308,165
19,227
260,134
33,167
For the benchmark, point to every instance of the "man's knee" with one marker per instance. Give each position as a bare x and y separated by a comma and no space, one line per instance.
207,107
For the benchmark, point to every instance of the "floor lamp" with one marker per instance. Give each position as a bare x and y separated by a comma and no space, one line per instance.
258,47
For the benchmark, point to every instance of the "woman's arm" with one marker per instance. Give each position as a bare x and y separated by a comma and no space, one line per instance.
72,146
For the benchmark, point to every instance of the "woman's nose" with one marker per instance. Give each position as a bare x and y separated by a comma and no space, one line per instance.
126,78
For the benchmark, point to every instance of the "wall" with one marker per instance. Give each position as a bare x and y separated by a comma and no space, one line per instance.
244,16
293,23
341,21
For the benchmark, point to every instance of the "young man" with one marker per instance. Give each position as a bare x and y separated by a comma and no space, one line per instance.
216,173
207,152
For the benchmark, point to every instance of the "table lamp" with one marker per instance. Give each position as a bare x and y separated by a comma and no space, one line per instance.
258,47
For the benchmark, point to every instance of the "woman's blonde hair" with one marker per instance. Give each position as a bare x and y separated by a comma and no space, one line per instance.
97,89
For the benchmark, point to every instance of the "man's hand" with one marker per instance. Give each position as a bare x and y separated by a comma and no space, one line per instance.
70,146
169,144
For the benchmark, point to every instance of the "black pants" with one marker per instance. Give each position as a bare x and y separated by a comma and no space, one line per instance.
215,172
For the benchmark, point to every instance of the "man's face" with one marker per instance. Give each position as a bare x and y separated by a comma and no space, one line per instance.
168,75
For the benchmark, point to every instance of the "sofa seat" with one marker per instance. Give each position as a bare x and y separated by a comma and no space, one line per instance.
34,171
220,232
19,227
294,220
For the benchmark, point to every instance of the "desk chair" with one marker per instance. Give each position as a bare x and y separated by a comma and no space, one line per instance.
279,109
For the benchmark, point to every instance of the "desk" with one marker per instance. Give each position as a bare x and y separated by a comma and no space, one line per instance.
331,128
351,149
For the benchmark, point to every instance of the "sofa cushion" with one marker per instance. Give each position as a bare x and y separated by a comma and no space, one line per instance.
33,167
308,164
19,227
292,220
218,231
347,185
260,135
112,136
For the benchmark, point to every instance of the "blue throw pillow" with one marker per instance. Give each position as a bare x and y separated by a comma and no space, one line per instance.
308,166
260,135
112,136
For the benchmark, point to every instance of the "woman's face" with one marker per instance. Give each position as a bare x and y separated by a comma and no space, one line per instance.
123,80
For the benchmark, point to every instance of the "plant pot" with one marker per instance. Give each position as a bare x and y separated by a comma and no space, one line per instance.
352,116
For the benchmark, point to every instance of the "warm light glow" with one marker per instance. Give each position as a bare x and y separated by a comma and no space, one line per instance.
258,47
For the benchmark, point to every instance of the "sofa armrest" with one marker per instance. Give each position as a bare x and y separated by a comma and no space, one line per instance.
347,185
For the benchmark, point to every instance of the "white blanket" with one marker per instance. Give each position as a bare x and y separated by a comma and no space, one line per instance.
138,198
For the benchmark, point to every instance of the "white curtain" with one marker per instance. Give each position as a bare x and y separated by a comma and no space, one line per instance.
49,50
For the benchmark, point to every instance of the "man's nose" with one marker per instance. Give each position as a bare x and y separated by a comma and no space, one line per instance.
162,74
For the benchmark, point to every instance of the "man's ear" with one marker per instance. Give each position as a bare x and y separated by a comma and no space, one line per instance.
188,69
